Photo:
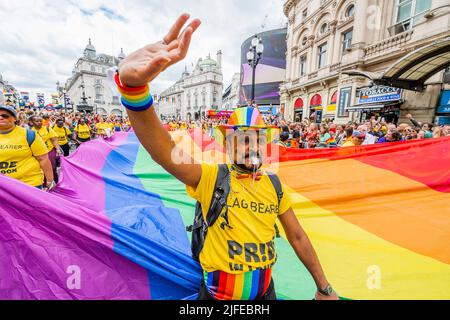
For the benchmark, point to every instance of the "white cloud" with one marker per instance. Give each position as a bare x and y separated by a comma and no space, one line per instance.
40,40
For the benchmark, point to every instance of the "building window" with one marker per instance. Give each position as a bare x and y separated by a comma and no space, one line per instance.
347,41
322,55
99,94
350,12
303,60
92,68
409,12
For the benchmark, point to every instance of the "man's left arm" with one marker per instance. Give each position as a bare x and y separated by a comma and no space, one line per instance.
303,248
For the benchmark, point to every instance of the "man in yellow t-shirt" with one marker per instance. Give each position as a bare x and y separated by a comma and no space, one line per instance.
23,154
63,134
238,254
249,244
82,131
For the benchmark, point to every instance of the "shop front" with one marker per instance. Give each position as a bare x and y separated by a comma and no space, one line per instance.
443,111
298,110
378,101
316,109
331,108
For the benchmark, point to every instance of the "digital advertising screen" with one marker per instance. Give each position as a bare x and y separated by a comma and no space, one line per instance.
270,71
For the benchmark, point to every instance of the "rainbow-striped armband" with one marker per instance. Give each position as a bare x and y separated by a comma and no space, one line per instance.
134,98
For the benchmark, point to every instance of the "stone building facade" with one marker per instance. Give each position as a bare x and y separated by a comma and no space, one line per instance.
196,92
89,79
231,94
328,37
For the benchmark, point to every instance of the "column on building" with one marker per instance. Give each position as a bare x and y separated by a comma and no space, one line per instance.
360,27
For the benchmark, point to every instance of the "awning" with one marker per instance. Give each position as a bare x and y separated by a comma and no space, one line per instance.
374,106
412,71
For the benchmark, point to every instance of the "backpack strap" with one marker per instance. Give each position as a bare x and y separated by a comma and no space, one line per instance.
279,190
220,197
277,185
31,137
218,201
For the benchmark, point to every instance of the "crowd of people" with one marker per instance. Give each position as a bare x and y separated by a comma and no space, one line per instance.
58,133
328,134
32,142
374,131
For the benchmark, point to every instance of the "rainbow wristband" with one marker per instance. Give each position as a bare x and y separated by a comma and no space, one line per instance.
136,99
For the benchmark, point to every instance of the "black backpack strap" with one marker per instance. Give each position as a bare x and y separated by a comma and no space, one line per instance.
277,185
218,200
31,137
220,196
218,203
279,190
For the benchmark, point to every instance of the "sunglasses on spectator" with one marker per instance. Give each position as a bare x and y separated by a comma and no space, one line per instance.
5,116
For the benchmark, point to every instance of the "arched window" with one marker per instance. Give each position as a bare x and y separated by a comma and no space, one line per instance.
333,99
316,101
298,104
350,12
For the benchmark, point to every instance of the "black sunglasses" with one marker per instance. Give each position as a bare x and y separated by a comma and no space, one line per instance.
5,116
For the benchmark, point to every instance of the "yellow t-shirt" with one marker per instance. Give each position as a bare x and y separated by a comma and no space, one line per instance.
348,143
83,131
101,127
252,214
47,134
62,134
17,159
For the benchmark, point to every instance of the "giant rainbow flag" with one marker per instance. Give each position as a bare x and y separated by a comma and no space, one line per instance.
378,216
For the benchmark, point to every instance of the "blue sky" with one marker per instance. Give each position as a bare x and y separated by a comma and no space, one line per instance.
40,40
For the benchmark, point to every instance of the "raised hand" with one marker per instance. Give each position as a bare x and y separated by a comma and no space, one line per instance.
144,65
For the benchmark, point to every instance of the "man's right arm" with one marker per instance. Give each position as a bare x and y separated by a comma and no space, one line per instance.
142,67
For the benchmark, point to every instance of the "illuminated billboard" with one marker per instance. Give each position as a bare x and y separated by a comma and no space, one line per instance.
270,71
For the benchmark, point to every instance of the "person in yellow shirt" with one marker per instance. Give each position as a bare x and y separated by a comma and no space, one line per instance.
64,134
82,131
23,153
357,139
238,254
103,129
51,141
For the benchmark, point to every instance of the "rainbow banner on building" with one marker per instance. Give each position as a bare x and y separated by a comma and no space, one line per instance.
378,216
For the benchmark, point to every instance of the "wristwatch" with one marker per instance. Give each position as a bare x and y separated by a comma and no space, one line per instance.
328,291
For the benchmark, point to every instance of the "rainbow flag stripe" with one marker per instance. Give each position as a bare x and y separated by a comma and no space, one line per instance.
378,216
247,286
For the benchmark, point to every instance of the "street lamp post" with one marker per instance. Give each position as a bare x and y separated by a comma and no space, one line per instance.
253,57
65,100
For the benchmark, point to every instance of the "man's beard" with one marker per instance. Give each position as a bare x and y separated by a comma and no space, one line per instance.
255,162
